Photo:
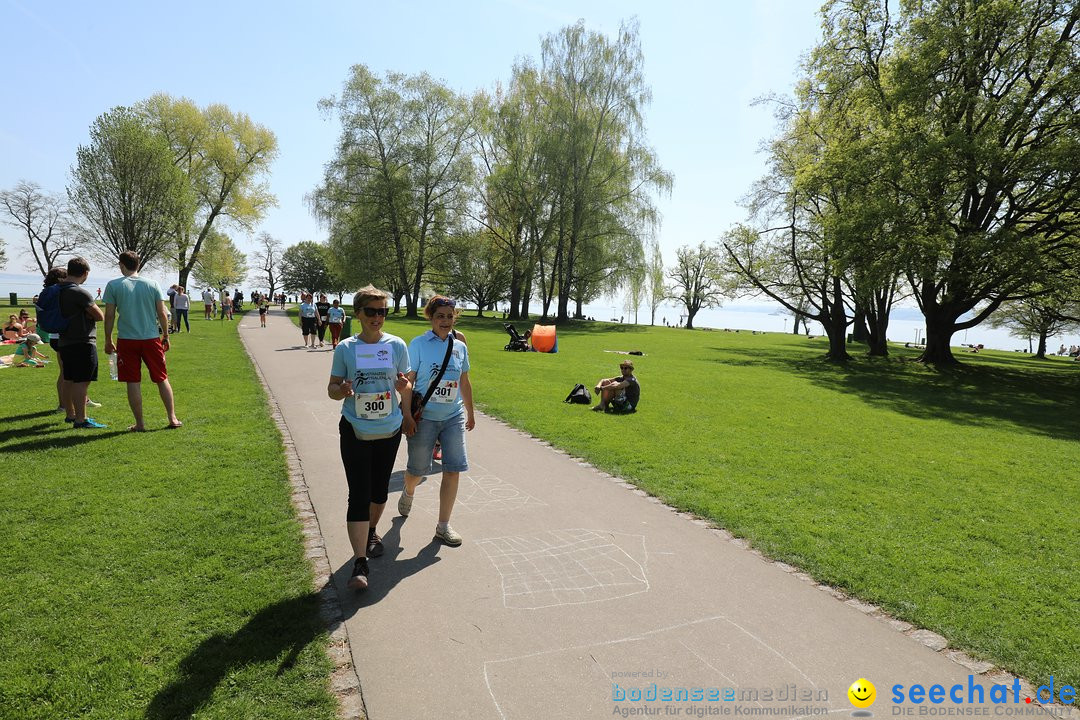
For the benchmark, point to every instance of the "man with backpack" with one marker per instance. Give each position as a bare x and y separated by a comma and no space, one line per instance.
77,345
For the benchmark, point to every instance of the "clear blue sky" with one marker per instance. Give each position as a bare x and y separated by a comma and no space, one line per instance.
67,62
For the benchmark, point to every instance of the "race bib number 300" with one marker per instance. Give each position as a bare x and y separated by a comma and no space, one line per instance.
374,406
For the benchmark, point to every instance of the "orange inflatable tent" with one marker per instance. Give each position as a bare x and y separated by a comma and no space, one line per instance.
543,339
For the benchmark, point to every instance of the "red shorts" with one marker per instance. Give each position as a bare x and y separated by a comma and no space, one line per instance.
130,354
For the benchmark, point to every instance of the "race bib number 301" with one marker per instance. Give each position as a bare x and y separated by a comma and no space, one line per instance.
374,406
446,392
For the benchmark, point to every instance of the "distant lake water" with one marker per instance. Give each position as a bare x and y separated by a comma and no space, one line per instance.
905,325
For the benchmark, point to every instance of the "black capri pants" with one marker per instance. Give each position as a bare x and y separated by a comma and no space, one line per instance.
368,464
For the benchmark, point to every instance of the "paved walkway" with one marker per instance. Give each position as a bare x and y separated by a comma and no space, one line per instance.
571,588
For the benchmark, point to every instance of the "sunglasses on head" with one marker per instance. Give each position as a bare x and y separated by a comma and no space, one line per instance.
444,302
372,312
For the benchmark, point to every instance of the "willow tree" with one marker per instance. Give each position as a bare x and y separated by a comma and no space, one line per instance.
514,196
226,158
400,171
597,161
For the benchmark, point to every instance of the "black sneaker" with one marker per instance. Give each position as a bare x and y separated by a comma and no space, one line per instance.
358,581
374,544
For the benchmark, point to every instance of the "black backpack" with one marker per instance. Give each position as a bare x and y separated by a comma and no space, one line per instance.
579,395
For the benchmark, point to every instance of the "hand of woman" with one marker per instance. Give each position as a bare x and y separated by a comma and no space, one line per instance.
402,382
470,422
346,388
408,425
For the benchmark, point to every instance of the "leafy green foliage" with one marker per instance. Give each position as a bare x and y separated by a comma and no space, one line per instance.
305,266
225,157
126,191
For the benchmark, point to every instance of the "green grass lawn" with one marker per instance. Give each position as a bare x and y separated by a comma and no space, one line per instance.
159,571
161,574
948,498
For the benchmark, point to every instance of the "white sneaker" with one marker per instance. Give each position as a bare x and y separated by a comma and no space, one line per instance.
448,536
404,504
91,403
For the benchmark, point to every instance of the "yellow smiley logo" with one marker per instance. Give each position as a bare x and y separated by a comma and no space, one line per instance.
862,693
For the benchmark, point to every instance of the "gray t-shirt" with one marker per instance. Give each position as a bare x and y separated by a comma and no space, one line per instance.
81,329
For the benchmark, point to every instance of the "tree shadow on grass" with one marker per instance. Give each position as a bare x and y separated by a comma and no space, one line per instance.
277,633
985,395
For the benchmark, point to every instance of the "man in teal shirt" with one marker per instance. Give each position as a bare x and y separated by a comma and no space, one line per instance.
142,336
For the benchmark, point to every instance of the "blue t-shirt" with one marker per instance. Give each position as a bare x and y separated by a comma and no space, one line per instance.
307,310
136,300
336,315
373,368
426,354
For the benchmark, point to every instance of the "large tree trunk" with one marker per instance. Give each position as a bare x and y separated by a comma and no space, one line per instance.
834,319
690,313
579,313
795,325
879,346
1041,354
515,294
940,327
859,331
835,325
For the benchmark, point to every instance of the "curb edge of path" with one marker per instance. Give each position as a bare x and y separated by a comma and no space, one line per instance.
344,680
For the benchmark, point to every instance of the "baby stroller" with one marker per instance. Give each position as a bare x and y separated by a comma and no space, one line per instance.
518,343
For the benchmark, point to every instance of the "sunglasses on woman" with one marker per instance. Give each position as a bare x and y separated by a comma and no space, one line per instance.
443,302
372,312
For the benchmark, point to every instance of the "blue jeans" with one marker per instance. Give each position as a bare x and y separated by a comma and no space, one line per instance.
451,433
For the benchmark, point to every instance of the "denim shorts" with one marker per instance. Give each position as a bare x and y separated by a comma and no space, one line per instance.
451,433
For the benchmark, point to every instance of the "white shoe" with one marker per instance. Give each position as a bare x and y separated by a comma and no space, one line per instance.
448,536
404,504
91,403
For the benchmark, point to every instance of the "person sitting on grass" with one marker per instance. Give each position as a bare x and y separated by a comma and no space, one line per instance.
12,329
27,354
619,394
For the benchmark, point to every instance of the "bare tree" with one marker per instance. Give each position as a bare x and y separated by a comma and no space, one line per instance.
44,218
697,280
267,259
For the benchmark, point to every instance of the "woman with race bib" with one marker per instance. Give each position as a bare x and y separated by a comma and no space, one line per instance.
366,370
309,319
446,416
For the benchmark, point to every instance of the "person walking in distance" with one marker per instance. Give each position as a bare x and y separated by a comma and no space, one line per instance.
141,308
323,309
336,320
181,305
